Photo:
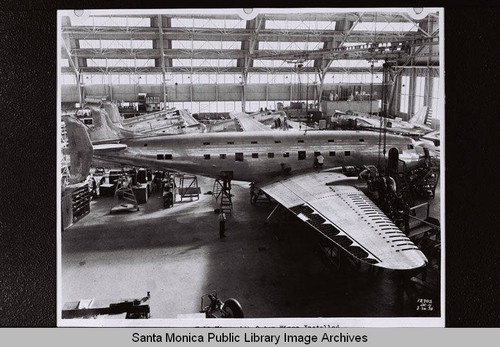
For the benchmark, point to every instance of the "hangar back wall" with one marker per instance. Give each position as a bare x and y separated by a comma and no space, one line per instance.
205,92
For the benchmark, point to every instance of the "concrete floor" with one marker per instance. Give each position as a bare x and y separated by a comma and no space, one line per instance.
273,270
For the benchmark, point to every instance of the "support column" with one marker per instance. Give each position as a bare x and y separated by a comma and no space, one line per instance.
411,92
244,76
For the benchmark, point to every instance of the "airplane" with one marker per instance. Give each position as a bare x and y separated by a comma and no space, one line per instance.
415,126
107,120
280,163
254,121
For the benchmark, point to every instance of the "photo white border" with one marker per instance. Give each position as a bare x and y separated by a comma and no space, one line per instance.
249,322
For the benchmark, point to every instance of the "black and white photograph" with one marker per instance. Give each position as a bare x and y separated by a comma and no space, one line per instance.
250,167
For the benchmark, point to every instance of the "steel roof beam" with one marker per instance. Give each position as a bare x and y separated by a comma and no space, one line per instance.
201,34
206,69
304,16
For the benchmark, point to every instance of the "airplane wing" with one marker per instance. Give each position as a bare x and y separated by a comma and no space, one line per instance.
247,123
299,126
109,147
348,218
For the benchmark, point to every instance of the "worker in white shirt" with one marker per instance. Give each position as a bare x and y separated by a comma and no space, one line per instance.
320,159
222,224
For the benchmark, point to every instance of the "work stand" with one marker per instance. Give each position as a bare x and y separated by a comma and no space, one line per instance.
222,189
188,187
125,192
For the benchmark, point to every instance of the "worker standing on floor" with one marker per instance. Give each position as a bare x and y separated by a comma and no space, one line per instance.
320,159
222,224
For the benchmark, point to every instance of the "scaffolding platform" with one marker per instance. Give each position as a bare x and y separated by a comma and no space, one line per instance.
187,188
125,192
222,189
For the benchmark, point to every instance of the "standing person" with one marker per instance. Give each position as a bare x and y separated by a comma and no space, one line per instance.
94,188
169,199
222,224
320,160
252,192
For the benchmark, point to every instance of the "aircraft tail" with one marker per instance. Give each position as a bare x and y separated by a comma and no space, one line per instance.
420,116
113,113
80,149
107,128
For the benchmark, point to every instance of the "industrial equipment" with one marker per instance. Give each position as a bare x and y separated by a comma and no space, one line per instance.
230,308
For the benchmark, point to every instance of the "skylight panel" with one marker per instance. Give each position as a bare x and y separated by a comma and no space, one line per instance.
385,27
290,46
344,63
186,44
208,23
204,62
120,44
114,21
68,79
121,62
300,25
269,63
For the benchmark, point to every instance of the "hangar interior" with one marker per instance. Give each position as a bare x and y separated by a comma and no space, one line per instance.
150,234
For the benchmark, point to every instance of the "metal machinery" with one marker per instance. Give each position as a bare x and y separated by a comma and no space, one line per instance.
230,308
168,186
125,308
126,194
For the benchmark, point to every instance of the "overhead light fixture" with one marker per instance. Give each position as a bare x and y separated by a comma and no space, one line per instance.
248,13
418,13
79,15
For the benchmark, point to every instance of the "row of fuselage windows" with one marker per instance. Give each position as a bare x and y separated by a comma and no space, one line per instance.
276,141
239,156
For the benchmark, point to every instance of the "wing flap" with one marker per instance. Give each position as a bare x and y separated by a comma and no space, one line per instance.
109,147
348,218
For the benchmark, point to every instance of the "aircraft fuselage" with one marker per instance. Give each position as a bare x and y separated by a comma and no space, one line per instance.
253,156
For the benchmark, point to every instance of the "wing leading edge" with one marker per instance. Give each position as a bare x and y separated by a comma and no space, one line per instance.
348,218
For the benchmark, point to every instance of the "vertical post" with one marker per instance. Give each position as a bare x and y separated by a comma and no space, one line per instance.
243,102
411,92
162,52
267,93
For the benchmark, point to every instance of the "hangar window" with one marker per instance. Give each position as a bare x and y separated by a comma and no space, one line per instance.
254,142
160,157
361,140
223,156
206,156
238,157
300,141
332,154
347,153
206,143
302,155
278,141
286,155
270,155
230,143
255,155
331,140
145,145
168,156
